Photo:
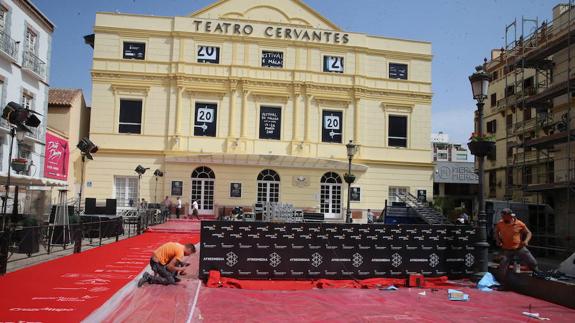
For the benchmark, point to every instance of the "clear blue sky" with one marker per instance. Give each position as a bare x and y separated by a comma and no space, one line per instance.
462,33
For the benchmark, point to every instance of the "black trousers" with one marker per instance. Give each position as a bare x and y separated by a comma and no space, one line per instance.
164,276
178,213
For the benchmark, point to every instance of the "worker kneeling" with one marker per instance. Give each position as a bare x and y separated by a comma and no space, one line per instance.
167,262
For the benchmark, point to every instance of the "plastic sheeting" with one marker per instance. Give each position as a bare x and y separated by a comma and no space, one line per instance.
368,305
158,303
177,226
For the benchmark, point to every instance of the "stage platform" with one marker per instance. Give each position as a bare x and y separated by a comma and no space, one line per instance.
177,226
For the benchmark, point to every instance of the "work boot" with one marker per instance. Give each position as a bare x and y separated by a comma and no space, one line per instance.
145,279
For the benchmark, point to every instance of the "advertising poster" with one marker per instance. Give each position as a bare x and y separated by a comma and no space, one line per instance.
56,157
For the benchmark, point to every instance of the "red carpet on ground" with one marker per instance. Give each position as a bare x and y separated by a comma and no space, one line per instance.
68,289
177,226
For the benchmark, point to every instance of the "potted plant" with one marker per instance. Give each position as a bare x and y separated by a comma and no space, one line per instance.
481,146
19,165
349,178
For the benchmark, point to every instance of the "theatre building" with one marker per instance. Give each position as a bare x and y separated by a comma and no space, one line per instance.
254,101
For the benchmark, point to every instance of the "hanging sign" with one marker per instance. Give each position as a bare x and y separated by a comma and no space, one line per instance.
206,119
56,157
333,64
331,126
270,123
208,54
134,50
272,59
177,188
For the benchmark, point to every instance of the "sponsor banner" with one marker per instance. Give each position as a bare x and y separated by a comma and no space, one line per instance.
260,250
56,157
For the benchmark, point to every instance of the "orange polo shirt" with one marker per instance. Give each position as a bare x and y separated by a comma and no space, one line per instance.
510,234
169,251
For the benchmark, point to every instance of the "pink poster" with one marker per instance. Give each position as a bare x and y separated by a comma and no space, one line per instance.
57,155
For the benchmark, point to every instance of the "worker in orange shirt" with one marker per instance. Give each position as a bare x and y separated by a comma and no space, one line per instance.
167,262
513,236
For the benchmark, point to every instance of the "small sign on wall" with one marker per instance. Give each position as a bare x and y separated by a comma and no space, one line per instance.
208,54
177,188
422,195
235,189
333,64
272,59
355,194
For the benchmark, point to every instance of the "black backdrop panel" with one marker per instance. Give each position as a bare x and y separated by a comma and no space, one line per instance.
337,251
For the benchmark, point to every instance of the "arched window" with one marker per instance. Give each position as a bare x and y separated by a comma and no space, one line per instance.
203,182
330,195
268,186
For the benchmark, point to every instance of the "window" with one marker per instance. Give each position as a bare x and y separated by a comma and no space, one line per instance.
509,152
126,188
509,91
395,193
333,64
130,116
461,156
268,186
492,182
270,123
398,71
493,99
208,54
495,75
272,59
509,120
3,18
528,83
397,132
27,101
492,154
134,50
441,156
492,126
31,40
509,176
331,126
205,123
527,114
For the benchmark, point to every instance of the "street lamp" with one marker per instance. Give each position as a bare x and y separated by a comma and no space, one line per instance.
479,85
349,178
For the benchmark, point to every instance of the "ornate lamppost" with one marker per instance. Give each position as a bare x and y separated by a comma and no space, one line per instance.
349,178
480,146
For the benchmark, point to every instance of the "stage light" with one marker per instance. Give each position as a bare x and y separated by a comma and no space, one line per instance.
141,170
158,173
21,117
87,147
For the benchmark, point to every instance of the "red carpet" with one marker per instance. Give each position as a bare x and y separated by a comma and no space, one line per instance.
177,226
68,289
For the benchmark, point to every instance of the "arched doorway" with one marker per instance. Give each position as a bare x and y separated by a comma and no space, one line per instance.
330,194
268,186
203,180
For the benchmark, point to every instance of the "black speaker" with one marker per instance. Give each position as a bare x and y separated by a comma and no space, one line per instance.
110,207
90,206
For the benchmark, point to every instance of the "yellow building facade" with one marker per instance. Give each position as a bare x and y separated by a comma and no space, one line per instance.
244,101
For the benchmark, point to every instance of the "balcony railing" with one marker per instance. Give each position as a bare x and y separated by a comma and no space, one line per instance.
34,64
8,45
36,134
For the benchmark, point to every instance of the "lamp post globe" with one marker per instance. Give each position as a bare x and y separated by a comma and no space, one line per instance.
479,86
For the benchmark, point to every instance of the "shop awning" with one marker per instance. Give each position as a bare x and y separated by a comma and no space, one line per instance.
24,180
266,160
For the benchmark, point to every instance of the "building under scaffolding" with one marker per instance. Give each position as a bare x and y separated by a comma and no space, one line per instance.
530,113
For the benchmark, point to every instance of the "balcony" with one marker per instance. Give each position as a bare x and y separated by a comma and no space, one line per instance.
8,47
35,136
33,64
523,126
